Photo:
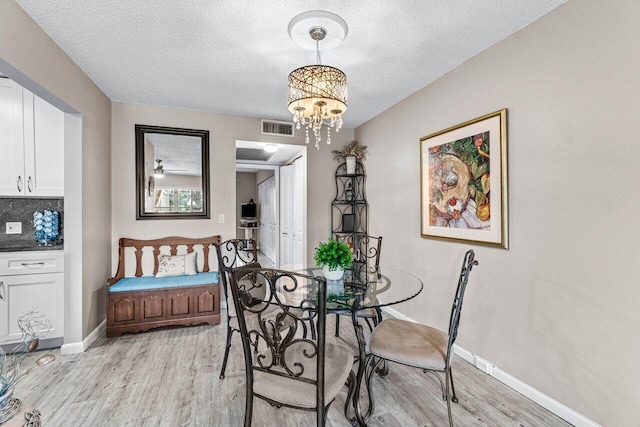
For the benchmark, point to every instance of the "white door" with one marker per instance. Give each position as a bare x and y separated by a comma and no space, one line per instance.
268,218
12,182
298,212
286,211
292,179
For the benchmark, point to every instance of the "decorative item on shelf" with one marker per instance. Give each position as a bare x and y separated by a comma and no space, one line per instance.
348,223
17,364
317,93
46,226
351,165
350,153
333,257
348,192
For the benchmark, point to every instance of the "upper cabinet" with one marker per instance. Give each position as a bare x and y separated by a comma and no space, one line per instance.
32,144
11,139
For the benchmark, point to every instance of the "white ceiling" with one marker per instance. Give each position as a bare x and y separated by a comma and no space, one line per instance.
234,57
285,153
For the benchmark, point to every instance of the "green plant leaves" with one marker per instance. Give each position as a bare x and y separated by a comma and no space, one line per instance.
333,254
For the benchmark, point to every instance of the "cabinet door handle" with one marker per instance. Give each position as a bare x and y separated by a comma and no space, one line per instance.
1,290
29,187
32,264
19,184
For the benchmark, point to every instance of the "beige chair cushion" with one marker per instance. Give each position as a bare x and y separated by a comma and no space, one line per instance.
367,312
409,343
288,391
233,323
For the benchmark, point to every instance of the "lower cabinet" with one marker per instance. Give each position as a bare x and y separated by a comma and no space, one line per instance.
28,290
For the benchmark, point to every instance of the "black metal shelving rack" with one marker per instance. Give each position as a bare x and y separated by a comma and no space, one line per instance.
350,211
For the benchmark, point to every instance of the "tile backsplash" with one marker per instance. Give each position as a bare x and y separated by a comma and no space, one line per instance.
21,210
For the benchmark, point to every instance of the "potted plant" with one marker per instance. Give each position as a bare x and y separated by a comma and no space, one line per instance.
350,153
333,257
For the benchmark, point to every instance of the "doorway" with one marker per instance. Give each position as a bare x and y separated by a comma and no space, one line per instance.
276,180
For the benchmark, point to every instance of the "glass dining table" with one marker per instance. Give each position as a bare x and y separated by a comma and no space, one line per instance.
361,289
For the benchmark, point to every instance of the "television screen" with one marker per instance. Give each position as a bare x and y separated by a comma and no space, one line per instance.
249,210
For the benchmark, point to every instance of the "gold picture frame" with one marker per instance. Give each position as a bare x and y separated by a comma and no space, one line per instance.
463,182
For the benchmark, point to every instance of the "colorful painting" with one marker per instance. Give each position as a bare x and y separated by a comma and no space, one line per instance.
464,181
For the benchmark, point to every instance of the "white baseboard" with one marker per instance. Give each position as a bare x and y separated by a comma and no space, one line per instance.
521,387
79,347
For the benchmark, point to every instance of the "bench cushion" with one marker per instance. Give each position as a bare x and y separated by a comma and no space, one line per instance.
145,283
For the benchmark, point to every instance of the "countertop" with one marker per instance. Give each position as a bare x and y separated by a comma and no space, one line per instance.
22,247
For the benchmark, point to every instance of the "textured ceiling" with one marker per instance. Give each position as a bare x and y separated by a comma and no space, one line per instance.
234,57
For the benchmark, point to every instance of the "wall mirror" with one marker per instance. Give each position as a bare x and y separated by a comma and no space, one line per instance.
172,173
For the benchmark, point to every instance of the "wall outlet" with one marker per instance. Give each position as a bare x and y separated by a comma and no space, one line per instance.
13,228
221,219
484,365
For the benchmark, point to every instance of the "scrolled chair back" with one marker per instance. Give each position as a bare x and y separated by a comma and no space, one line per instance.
468,263
231,254
289,368
366,252
236,253
296,299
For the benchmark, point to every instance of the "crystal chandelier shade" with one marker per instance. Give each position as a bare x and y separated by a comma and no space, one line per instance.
317,93
317,96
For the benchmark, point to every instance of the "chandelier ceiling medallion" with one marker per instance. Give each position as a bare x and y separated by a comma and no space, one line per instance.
317,93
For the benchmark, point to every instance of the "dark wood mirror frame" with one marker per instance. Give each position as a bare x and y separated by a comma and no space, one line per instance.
141,183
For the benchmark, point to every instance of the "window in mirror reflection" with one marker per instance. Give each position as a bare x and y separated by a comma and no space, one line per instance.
177,200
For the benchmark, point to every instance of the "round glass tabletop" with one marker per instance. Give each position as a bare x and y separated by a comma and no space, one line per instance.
368,290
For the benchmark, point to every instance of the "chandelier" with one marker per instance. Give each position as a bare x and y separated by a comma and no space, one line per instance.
317,93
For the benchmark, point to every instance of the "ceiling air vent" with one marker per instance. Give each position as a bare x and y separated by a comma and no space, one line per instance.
252,154
274,127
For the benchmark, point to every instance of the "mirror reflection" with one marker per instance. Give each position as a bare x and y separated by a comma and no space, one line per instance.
172,172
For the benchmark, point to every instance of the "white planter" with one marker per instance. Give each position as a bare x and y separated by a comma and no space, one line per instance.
332,275
351,165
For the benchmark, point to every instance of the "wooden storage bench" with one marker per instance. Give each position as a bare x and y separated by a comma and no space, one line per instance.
140,303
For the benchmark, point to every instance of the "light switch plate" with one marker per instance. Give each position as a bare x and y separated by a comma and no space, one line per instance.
13,228
221,219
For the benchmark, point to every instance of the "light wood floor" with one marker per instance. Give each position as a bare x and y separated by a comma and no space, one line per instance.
170,378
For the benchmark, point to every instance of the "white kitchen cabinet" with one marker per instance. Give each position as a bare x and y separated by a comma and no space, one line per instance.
31,281
11,138
34,164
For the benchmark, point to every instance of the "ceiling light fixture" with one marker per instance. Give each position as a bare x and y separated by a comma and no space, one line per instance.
270,148
158,172
317,93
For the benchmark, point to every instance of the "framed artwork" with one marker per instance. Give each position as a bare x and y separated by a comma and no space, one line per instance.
463,182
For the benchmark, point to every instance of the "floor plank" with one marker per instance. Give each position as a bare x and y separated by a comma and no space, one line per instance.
169,377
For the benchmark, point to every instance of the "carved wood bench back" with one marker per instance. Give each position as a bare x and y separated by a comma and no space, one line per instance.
173,242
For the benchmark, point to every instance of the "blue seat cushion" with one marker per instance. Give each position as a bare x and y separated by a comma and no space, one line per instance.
145,283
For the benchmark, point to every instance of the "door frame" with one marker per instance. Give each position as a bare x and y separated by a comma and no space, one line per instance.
244,167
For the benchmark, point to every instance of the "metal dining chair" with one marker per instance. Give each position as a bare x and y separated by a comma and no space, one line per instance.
289,369
232,253
422,346
366,261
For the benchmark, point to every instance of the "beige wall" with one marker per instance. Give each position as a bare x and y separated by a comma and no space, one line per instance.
224,131
559,309
35,61
263,175
246,189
